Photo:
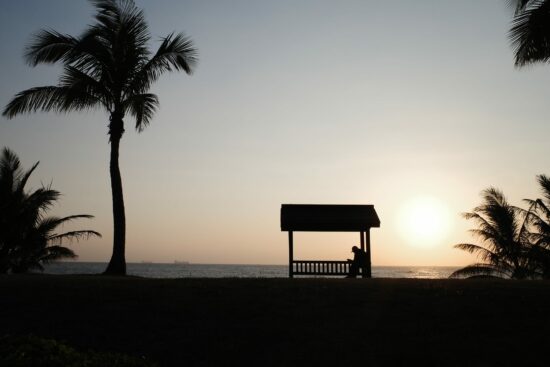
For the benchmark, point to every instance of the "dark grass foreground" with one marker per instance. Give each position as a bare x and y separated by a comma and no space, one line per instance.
283,322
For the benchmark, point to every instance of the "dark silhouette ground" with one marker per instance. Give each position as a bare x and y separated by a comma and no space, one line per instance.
284,322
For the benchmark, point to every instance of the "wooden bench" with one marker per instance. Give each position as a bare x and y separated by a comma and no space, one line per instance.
321,267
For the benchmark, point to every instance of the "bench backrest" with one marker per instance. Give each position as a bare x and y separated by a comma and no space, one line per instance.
321,267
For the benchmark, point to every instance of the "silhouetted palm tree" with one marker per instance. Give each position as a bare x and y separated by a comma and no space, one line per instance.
27,238
538,218
504,245
108,66
42,244
530,32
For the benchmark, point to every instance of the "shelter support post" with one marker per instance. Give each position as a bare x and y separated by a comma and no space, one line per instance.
369,269
364,267
290,254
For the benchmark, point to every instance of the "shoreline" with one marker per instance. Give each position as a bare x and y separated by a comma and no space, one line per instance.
231,270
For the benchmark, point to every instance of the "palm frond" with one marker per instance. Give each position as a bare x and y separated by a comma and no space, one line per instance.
481,221
49,46
113,13
499,216
176,52
485,236
524,233
493,197
520,5
120,22
50,223
538,211
530,34
24,179
544,183
142,107
10,171
92,55
73,235
9,161
41,199
484,253
108,12
84,86
486,227
50,98
480,269
541,205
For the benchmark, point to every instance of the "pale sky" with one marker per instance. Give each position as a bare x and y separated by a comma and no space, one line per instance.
322,102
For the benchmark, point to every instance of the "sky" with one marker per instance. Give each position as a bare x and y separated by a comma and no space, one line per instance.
400,104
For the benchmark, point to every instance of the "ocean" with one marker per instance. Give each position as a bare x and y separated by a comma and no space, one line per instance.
160,270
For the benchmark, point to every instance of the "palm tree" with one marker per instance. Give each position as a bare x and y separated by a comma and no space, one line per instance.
538,218
108,66
504,246
530,32
27,237
42,244
16,207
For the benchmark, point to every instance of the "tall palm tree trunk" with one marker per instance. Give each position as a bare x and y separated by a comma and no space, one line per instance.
117,265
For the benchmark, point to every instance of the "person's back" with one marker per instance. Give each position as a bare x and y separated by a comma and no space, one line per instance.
359,261
360,257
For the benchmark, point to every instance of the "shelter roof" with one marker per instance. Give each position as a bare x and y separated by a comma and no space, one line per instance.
328,217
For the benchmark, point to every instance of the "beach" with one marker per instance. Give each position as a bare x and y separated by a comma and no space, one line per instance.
284,322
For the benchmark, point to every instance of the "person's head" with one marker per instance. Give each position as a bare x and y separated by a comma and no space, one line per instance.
354,249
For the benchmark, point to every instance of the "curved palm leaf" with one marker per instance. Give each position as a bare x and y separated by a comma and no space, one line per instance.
87,86
73,235
47,225
544,183
482,252
520,5
176,52
50,98
142,107
49,47
530,33
41,199
481,269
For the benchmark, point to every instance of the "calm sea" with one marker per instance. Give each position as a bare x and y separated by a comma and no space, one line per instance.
154,270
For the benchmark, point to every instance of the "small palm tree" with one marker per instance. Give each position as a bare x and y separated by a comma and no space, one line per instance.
28,239
538,218
109,66
17,208
504,246
530,32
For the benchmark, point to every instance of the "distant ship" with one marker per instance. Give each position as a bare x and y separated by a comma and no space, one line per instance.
181,262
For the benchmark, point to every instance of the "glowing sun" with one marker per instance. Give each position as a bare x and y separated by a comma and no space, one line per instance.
423,221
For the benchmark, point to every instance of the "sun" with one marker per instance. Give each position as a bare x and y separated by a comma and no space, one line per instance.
423,221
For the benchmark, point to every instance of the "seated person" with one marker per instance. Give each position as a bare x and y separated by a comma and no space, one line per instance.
359,261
